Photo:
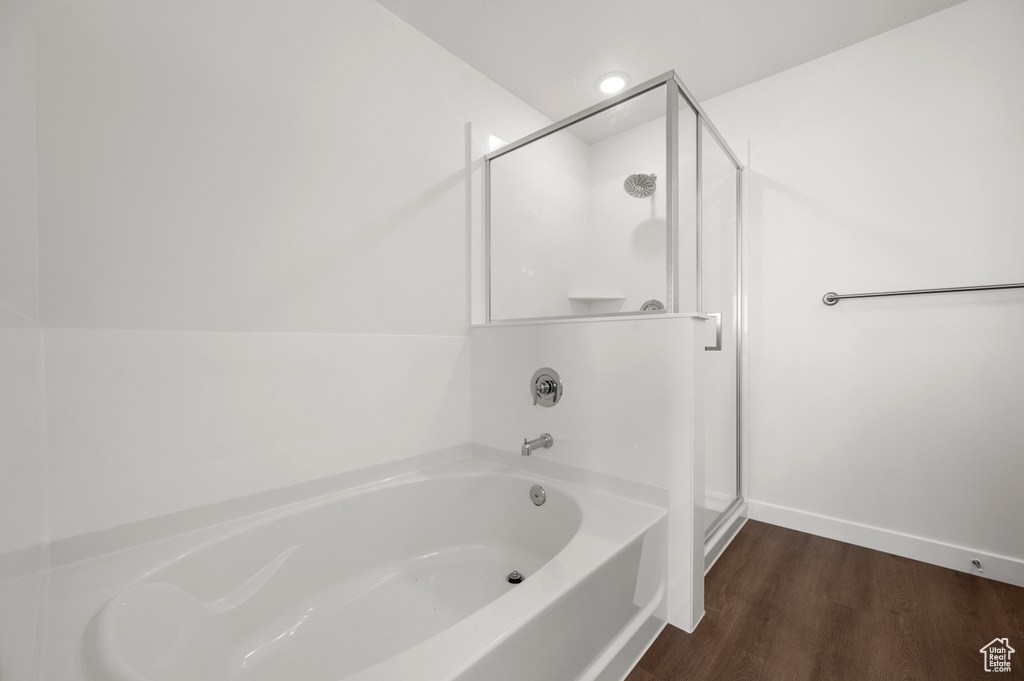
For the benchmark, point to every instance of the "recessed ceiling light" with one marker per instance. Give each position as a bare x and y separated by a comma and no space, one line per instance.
610,83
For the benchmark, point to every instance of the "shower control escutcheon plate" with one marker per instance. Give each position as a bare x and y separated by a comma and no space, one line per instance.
546,387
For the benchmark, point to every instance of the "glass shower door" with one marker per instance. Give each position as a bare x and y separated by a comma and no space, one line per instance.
719,295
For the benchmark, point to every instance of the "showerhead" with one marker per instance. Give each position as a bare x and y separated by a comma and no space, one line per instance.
640,186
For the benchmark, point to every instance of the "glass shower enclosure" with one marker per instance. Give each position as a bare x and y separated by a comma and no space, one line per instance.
631,207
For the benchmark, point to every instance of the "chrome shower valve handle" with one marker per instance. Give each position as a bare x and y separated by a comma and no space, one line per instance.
546,387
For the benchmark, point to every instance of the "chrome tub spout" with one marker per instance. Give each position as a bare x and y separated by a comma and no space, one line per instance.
544,441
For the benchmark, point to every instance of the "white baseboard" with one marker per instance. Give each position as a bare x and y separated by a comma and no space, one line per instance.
994,566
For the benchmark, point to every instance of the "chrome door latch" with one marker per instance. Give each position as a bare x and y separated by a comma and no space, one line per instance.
717,347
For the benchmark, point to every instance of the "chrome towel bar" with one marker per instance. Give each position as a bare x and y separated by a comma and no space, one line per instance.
833,298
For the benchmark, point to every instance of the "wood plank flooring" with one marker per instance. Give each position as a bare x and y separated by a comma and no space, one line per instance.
782,605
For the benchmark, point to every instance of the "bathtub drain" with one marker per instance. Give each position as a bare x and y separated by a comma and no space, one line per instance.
514,577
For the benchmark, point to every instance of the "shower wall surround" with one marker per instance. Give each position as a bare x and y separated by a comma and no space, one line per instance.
577,234
628,241
631,410
543,256
566,239
143,423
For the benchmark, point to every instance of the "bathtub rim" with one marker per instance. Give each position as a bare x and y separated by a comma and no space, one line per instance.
216,518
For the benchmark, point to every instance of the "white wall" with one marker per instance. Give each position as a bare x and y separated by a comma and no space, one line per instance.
142,423
244,266
252,229
22,465
19,296
893,164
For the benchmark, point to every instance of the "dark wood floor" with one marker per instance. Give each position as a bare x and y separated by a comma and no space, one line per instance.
788,606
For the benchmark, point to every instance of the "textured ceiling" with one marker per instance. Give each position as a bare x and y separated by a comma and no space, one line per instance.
549,53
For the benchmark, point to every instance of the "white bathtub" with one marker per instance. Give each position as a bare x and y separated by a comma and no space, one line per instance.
403,579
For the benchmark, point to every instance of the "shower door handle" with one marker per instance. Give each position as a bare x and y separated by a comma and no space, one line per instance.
717,347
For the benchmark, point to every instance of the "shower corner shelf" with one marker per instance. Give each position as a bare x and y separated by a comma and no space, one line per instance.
596,305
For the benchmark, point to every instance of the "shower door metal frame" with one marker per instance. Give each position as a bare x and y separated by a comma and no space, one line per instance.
704,123
671,238
739,310
672,208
